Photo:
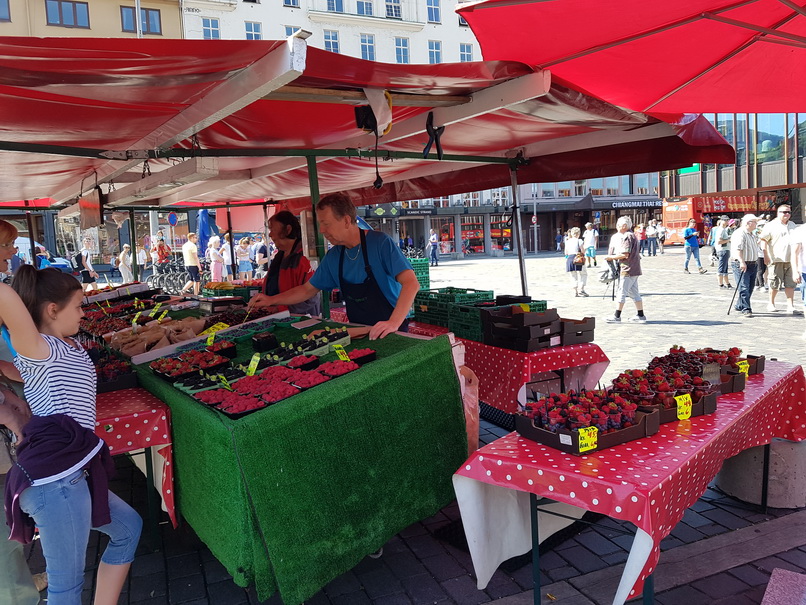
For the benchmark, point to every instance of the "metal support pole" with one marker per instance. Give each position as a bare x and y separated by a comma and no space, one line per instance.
313,183
535,550
31,238
516,227
765,478
234,264
133,238
649,590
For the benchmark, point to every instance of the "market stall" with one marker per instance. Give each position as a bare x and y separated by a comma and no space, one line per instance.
649,482
291,496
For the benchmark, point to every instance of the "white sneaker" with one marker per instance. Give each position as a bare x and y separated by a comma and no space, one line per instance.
772,309
793,311
639,319
613,319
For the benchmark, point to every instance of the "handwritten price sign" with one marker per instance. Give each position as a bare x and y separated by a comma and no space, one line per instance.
683,406
250,371
341,353
588,438
744,367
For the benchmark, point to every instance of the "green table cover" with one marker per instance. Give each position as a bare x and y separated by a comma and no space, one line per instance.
294,495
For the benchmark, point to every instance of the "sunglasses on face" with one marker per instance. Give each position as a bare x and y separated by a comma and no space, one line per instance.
784,212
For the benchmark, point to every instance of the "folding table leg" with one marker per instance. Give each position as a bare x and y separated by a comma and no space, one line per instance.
765,478
535,549
649,590
151,503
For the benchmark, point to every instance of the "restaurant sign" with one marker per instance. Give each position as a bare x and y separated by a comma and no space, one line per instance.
726,203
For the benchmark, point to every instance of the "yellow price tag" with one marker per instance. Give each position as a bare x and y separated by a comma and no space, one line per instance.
525,307
744,367
136,317
250,371
155,309
107,304
683,406
224,382
211,338
588,438
341,353
128,293
100,306
164,313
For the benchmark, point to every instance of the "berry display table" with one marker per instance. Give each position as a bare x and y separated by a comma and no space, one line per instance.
649,482
133,419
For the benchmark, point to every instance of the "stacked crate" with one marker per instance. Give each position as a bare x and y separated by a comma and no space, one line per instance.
434,306
468,320
422,270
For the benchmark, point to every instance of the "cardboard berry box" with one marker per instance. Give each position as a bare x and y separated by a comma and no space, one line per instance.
706,405
732,382
647,424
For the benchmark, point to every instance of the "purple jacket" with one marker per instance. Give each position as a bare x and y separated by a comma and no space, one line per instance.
50,445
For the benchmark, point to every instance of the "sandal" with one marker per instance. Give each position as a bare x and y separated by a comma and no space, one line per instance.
583,293
702,270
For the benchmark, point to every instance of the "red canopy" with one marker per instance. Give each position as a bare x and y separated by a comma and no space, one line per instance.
659,57
81,111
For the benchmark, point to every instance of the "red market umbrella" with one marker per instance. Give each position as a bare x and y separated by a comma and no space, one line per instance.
699,56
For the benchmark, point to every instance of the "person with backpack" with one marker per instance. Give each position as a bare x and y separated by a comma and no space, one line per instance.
83,263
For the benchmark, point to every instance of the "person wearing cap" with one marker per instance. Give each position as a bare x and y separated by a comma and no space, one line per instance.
775,239
125,265
721,242
744,258
590,239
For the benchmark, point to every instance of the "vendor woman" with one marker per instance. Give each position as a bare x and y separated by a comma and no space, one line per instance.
289,268
376,281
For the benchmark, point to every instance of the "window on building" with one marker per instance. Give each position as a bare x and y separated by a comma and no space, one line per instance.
393,10
612,185
335,6
67,14
500,197
364,7
770,133
465,53
434,15
332,40
211,28
471,199
5,11
291,3
641,184
402,50
462,21
547,190
254,31
368,47
581,188
150,21
564,189
434,51
290,30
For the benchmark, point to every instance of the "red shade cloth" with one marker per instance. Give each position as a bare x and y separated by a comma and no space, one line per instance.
658,57
651,482
134,419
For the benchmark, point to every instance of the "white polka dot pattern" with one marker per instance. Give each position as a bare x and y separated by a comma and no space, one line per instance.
133,419
652,481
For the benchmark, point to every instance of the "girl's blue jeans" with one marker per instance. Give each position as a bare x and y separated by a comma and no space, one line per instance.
62,512
695,252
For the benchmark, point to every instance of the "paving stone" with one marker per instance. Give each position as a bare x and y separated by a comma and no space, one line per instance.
344,584
379,583
443,567
184,565
686,534
597,543
146,587
750,575
353,598
726,519
624,541
615,558
737,599
215,572
463,590
796,557
393,599
162,600
562,573
181,590
227,592
683,595
583,559
147,565
501,585
719,585
423,589
404,564
318,599
424,546
523,577
713,529
551,560
670,542
700,506
415,529
395,545
770,563
694,519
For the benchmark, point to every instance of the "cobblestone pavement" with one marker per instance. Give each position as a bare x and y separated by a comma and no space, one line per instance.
427,563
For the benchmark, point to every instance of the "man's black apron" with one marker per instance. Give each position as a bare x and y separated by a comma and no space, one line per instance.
366,302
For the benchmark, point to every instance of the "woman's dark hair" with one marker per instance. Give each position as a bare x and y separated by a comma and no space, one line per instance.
39,287
291,227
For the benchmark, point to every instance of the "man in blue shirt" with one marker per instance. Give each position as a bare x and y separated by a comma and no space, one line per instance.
375,279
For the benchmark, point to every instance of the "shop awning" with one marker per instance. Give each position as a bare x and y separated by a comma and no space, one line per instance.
659,57
241,120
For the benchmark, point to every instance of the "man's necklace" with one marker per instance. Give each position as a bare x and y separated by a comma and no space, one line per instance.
357,250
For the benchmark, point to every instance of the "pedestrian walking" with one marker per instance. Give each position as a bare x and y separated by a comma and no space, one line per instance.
640,233
762,279
692,237
590,240
652,238
190,255
721,240
799,260
744,258
574,253
775,240
624,248
558,240
433,240
84,262
215,258
661,228
125,265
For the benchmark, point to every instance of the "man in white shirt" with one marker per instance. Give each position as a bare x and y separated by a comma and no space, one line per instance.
190,254
744,257
776,245
88,273
798,241
590,239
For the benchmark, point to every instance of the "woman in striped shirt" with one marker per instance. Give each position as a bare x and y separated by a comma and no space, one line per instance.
42,313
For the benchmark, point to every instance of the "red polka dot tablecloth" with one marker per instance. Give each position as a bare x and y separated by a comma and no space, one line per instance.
650,482
133,419
502,372
339,314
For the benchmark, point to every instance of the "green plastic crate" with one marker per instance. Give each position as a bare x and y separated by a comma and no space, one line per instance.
463,329
453,296
242,292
